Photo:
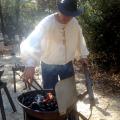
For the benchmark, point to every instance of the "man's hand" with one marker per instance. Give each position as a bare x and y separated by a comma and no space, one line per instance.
28,74
84,61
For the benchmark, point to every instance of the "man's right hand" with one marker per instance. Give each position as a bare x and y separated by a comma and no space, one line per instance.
28,74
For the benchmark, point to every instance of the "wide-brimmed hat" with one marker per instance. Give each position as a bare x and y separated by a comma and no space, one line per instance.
69,8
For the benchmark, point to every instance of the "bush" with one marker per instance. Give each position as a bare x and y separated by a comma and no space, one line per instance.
101,26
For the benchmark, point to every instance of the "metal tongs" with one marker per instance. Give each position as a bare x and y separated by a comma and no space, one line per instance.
29,85
89,85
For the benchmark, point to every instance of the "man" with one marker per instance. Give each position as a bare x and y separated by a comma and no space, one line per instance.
56,41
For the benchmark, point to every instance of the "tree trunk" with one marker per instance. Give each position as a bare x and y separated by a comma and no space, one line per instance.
17,16
1,19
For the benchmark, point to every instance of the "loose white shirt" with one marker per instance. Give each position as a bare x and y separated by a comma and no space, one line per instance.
54,43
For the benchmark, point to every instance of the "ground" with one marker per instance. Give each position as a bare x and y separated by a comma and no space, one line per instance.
107,103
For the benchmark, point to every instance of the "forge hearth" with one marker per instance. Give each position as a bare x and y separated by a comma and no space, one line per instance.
40,105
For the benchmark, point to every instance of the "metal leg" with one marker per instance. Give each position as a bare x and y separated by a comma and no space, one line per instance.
14,79
82,116
27,117
29,86
25,86
10,99
37,83
2,107
73,116
24,115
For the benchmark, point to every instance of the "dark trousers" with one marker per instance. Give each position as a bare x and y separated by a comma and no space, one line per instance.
50,73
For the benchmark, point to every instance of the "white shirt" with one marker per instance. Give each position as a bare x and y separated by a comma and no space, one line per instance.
54,43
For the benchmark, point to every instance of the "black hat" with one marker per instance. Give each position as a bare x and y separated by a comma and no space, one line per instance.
69,8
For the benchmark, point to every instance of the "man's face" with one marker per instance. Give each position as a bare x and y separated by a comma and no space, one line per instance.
65,19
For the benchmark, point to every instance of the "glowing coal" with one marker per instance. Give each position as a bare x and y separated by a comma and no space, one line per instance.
41,102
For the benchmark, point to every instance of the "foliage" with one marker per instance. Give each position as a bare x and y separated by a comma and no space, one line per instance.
21,16
102,30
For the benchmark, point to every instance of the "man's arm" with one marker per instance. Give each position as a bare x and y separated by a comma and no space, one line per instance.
82,51
31,51
83,47
31,47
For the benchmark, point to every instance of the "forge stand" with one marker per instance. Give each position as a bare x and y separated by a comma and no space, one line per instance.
3,85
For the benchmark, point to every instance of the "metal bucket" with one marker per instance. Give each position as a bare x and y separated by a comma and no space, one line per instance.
30,114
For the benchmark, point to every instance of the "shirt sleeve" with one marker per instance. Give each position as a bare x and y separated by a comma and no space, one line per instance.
30,48
81,51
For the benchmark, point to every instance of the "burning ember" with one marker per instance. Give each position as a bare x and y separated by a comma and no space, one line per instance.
40,102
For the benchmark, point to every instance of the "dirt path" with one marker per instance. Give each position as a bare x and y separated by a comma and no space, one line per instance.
107,105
